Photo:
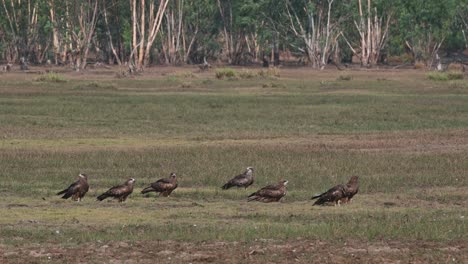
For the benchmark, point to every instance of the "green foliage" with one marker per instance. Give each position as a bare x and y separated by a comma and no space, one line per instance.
225,73
344,78
269,73
444,76
437,76
251,28
246,74
93,85
51,77
455,75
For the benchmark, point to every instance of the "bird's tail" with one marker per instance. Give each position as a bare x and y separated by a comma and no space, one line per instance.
147,189
227,186
66,195
253,197
102,196
316,196
321,201
62,192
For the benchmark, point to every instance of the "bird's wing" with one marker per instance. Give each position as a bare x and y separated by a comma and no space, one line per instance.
117,190
270,191
162,185
351,190
336,192
240,179
165,180
74,187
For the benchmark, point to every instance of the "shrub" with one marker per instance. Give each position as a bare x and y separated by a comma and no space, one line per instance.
51,77
444,76
344,78
206,81
246,74
455,75
186,85
270,72
225,73
187,74
419,65
437,76
455,67
172,79
94,85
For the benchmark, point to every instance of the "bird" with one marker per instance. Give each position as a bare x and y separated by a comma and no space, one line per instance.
352,188
120,192
76,190
270,193
242,180
163,186
341,193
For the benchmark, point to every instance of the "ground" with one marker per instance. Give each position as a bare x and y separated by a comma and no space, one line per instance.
404,135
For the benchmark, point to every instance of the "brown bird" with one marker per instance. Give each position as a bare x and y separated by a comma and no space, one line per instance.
76,190
120,192
270,193
341,193
242,180
163,186
352,188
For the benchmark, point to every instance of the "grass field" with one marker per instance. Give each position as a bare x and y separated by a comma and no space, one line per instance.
405,135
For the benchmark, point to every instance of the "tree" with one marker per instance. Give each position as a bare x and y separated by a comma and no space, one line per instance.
21,27
146,23
424,26
313,24
373,26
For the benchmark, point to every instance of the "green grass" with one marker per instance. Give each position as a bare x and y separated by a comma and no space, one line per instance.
307,170
51,77
225,73
445,76
405,137
180,219
189,115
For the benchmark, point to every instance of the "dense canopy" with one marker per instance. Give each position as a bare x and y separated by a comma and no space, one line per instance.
308,32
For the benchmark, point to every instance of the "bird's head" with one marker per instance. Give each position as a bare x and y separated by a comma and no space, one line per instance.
173,175
354,179
284,182
131,181
83,176
250,169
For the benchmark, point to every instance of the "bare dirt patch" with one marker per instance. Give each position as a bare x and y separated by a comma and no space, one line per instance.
260,251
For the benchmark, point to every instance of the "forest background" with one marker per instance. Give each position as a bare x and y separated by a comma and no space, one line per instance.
140,33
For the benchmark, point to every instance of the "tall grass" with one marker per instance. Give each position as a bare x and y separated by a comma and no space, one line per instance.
445,76
33,172
51,77
104,113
